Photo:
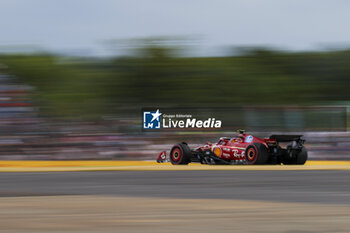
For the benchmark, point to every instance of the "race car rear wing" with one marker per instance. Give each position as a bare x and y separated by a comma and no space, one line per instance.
285,138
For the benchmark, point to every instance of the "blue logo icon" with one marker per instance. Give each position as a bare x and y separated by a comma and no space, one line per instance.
151,120
249,139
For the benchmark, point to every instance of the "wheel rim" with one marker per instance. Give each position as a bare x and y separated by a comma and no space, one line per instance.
176,155
251,154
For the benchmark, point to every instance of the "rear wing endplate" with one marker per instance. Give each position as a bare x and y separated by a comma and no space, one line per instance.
285,138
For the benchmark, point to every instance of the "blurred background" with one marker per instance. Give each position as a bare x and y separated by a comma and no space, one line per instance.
74,75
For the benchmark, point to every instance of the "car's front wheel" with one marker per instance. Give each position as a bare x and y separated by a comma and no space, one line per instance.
180,154
256,153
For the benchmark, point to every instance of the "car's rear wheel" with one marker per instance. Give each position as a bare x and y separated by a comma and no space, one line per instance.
256,153
298,157
180,154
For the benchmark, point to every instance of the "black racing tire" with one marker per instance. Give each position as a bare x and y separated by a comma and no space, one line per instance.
256,154
180,154
298,159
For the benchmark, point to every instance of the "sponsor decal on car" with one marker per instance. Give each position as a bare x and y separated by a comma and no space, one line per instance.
249,139
217,151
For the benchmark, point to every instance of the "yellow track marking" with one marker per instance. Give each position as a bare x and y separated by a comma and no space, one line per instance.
39,166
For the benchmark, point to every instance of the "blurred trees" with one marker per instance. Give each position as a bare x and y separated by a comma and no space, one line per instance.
156,77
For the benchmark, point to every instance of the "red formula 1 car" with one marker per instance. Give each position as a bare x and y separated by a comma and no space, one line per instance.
242,149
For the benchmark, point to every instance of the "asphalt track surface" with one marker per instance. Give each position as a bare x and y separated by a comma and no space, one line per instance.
326,187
